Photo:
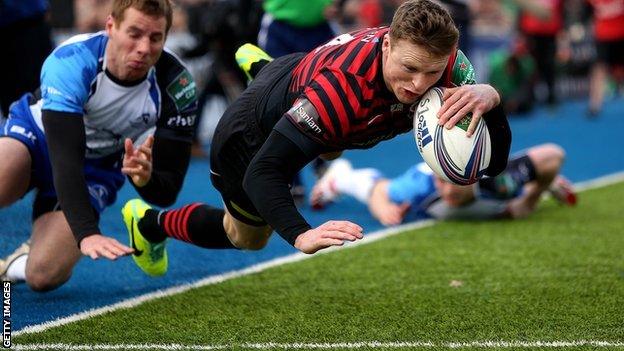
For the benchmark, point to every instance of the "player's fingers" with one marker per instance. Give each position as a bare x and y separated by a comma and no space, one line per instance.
128,146
149,142
448,94
93,254
116,249
351,226
130,171
136,171
459,115
142,162
394,216
106,252
146,151
452,109
121,247
344,227
449,103
327,242
386,220
336,234
476,116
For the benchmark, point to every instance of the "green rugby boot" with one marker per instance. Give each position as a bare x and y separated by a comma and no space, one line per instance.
150,257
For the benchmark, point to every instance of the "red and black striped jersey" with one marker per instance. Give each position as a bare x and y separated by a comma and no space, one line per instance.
343,80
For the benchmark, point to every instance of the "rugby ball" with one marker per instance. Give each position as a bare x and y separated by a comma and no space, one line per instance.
449,152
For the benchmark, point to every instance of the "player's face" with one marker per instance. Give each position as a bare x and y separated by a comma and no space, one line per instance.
409,70
454,195
135,44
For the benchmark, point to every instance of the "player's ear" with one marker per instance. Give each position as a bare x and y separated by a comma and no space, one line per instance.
110,22
386,42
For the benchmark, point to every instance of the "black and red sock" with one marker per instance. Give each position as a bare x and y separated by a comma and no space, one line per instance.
197,223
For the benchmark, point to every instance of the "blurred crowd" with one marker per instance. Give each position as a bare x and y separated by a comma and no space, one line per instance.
533,51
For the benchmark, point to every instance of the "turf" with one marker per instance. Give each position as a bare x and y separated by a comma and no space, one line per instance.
557,276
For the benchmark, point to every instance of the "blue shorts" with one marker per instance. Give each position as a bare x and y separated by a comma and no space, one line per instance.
103,176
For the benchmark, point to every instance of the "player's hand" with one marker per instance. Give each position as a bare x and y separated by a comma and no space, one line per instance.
98,245
382,208
137,163
389,213
460,101
332,233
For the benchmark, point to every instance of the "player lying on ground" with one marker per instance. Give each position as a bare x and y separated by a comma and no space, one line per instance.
419,193
353,92
99,93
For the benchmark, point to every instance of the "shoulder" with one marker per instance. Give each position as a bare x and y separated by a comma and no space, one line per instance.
169,65
68,72
175,80
86,48
459,70
78,56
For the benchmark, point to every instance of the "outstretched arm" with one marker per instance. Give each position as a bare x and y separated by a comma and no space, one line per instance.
65,136
266,183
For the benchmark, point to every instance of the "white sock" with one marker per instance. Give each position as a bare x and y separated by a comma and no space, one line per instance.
17,269
358,183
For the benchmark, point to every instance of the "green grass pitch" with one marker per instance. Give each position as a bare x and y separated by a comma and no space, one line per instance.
556,276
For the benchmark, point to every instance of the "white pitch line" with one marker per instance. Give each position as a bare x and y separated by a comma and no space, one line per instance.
600,182
329,346
215,279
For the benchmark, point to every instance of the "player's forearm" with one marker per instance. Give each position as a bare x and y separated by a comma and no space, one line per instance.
266,183
66,143
500,136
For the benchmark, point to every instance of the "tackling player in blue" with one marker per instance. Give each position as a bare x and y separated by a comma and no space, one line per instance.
419,194
112,103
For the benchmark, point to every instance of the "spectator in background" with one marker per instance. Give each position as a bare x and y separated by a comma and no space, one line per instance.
370,13
91,14
219,28
25,41
541,31
290,26
512,73
609,35
460,12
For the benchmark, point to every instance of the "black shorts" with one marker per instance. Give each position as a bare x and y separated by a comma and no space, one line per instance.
242,130
610,52
509,184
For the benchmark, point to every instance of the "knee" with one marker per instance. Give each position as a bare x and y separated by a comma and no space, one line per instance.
41,279
547,158
245,237
555,151
249,243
